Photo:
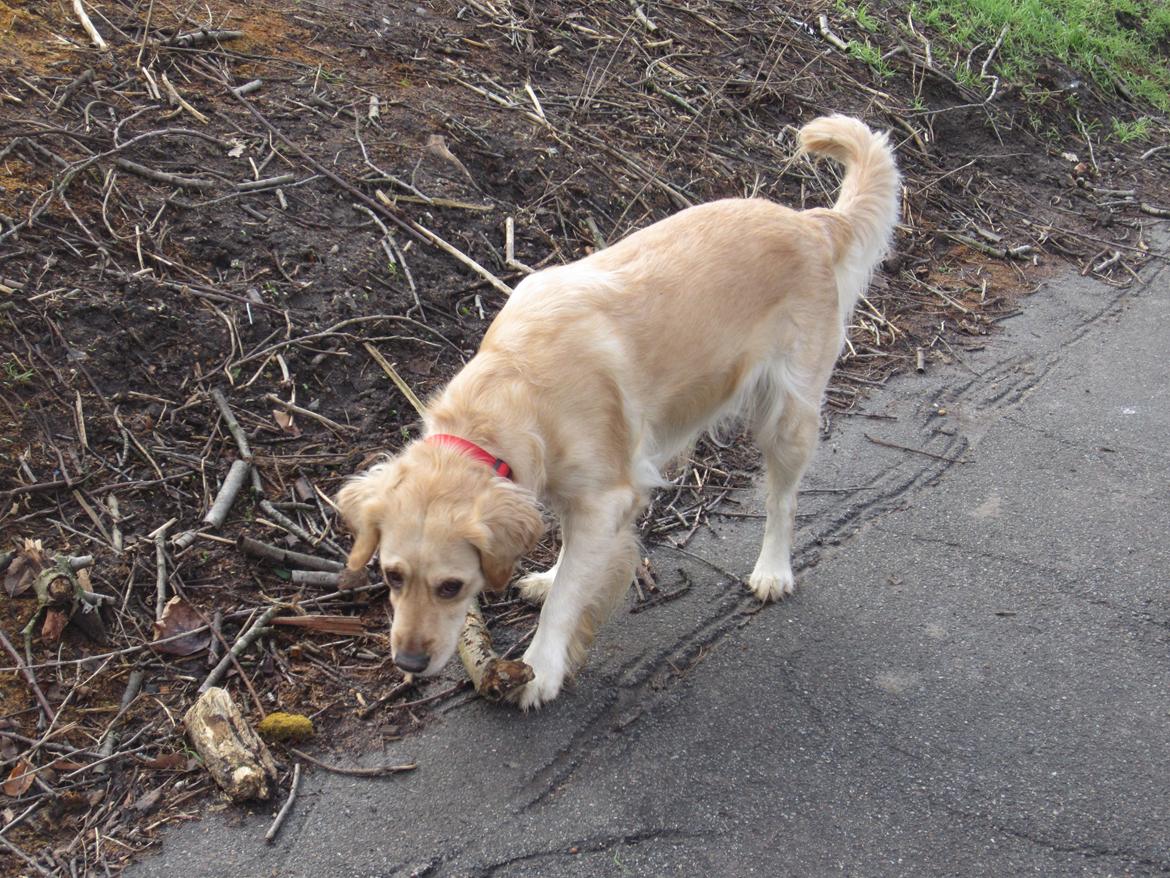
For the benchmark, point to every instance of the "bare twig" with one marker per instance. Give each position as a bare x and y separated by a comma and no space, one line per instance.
493,677
242,643
389,696
308,413
50,714
376,771
315,577
393,375
183,182
270,835
452,250
930,454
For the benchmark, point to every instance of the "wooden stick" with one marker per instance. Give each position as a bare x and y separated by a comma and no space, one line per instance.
315,577
393,375
450,249
179,100
1021,252
110,738
830,37
236,478
233,425
87,23
247,88
510,259
389,696
494,678
20,853
266,183
160,563
231,751
203,35
270,835
288,558
200,183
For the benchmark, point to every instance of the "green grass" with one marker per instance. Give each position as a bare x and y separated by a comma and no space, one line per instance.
1134,130
1116,42
872,56
860,13
14,372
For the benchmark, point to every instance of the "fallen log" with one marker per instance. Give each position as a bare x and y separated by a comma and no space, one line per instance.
231,751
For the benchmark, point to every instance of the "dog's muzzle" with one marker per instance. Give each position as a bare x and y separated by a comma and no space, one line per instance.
412,662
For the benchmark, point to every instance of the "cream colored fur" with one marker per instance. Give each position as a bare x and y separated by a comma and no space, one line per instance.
595,374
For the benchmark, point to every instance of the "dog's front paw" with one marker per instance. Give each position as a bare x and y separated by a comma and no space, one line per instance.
772,586
534,587
549,676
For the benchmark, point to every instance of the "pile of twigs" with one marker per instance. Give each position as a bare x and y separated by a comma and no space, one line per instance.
233,251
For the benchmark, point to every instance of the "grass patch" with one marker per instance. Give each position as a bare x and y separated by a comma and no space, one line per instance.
1134,130
872,56
1117,42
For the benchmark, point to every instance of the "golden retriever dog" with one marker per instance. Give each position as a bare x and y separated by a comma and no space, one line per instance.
597,374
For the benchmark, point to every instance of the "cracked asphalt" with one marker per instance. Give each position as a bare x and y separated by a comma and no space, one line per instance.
971,680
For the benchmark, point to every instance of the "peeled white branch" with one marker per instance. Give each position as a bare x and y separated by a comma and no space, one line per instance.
494,678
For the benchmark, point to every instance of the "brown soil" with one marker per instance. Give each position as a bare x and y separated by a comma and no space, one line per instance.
126,300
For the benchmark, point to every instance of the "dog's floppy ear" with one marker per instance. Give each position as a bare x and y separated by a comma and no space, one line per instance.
507,525
362,502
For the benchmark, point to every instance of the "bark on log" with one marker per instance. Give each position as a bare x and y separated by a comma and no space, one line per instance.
231,751
493,677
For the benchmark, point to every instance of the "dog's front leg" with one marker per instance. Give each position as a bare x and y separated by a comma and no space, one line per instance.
596,566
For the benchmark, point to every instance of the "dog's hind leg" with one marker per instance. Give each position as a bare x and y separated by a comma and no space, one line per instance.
788,445
596,566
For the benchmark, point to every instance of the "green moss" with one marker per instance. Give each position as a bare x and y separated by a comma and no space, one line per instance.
285,727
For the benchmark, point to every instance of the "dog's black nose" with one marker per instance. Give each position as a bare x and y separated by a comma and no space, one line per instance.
412,662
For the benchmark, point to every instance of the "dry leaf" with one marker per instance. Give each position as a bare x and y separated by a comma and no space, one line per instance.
167,760
19,779
29,561
285,421
304,489
147,801
179,617
65,764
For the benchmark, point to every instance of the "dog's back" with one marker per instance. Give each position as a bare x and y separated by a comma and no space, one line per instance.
725,308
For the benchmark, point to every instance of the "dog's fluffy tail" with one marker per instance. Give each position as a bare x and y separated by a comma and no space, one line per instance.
861,223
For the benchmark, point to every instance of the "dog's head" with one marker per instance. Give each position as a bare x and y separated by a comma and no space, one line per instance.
446,528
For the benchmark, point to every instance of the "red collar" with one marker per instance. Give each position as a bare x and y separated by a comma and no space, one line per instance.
472,450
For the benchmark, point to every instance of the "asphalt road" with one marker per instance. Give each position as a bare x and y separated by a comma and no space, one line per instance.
973,678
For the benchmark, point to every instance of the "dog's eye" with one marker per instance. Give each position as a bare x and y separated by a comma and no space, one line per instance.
449,588
393,579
